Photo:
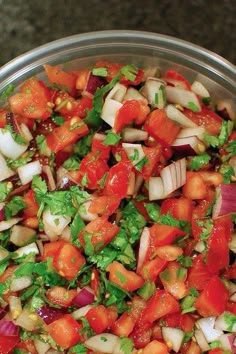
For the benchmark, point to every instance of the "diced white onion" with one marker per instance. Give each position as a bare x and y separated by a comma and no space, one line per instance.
174,337
187,132
6,172
176,115
81,312
222,324
40,346
173,176
9,147
51,182
109,111
188,146
227,107
28,171
5,225
144,245
200,90
106,342
54,224
134,151
206,324
66,234
3,254
117,93
183,97
21,235
226,341
15,306
156,188
200,246
28,320
133,94
25,132
130,135
21,283
154,91
23,251
201,340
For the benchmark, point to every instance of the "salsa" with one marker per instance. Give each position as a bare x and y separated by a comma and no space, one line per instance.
117,214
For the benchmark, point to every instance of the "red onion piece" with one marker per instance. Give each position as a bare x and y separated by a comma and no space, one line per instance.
2,313
93,83
2,215
50,314
188,146
84,297
8,328
225,201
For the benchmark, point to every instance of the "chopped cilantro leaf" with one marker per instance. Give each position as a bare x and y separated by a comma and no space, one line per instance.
206,228
135,156
15,205
72,163
222,138
185,261
227,172
41,144
147,290
17,137
193,106
39,185
132,222
141,163
84,180
111,138
78,349
3,267
197,162
83,146
14,164
100,72
230,320
126,345
206,100
76,226
129,71
167,219
7,92
58,120
5,189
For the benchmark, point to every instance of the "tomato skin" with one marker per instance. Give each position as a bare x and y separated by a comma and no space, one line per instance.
7,343
61,296
212,301
175,75
94,168
199,274
99,148
101,233
51,249
218,250
172,282
180,208
124,325
159,305
72,107
95,281
206,118
66,134
126,279
69,261
152,268
153,155
141,336
60,77
117,180
65,331
31,204
104,205
131,111
161,128
195,186
162,235
32,100
98,318
155,347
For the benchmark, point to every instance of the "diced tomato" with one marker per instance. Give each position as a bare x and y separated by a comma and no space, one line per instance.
69,107
161,128
51,249
141,336
131,111
230,272
206,118
8,273
137,306
65,331
117,180
61,296
97,234
98,318
173,279
200,210
199,274
123,326
66,134
7,343
3,120
82,78
28,346
104,205
91,171
231,307
162,235
33,100
192,348
153,156
60,77
69,261
94,283
195,186
99,148
155,347
218,249
176,76
180,208
126,279
32,206
159,305
212,301
217,351
183,321
152,268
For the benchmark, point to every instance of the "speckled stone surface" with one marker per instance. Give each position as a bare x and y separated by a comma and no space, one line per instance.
26,24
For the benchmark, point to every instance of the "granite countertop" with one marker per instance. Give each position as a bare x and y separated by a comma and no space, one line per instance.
25,25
